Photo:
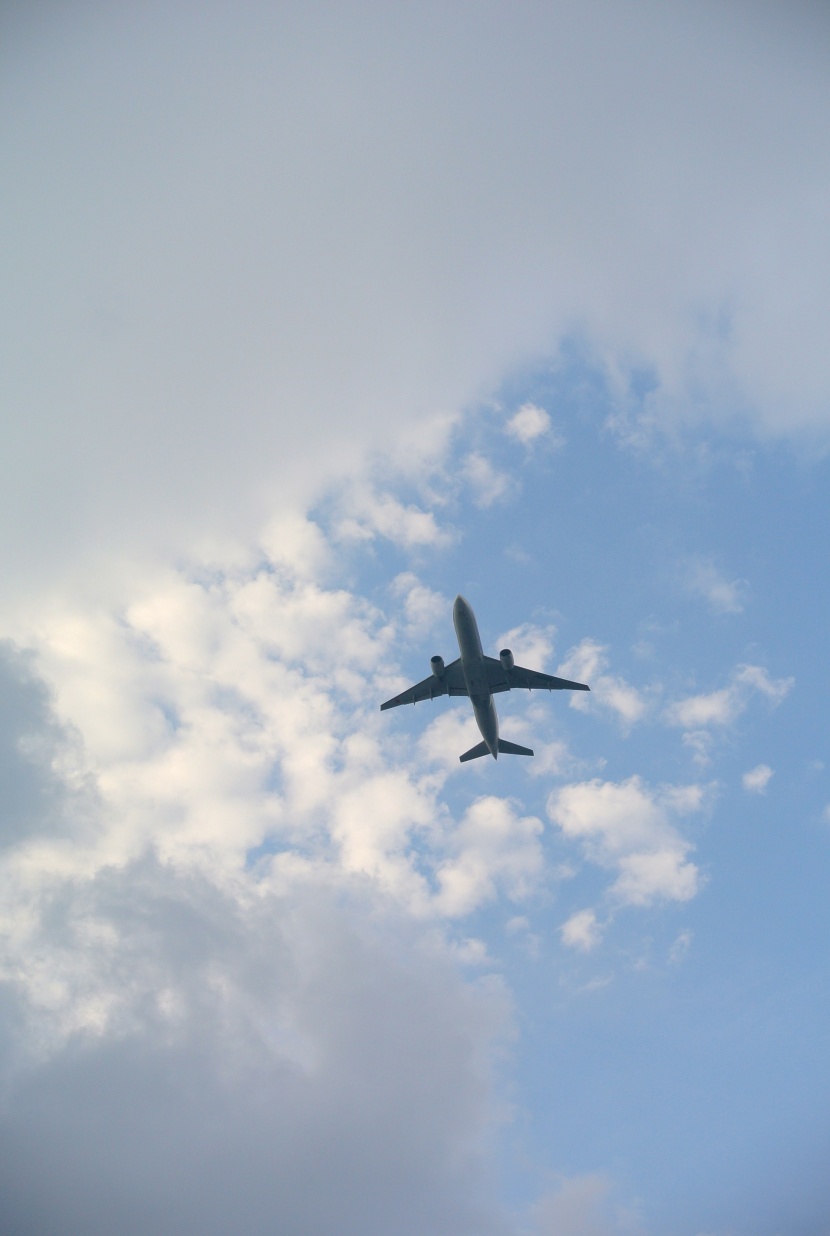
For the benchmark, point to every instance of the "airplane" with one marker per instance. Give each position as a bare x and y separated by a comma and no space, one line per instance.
480,677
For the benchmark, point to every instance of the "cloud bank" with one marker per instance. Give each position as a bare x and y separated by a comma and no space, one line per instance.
242,1061
222,1007
245,244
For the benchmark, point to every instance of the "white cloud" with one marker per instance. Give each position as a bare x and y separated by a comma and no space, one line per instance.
757,779
472,952
552,759
494,847
366,514
424,608
528,424
587,662
487,483
582,931
531,645
715,708
451,731
724,706
296,543
724,596
628,827
221,712
230,712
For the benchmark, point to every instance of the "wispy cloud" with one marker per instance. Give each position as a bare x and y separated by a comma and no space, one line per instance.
680,948
703,578
588,662
581,931
488,485
723,706
518,928
586,1206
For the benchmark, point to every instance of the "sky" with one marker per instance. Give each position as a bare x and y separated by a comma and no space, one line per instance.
316,316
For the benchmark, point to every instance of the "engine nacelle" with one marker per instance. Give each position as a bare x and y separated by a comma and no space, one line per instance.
436,664
506,658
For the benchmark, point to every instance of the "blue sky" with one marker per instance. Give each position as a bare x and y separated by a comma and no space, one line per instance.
684,1048
317,316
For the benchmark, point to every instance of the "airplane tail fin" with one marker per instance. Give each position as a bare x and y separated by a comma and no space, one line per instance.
474,752
512,748
505,748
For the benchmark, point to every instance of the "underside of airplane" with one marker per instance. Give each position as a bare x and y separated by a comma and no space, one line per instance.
480,677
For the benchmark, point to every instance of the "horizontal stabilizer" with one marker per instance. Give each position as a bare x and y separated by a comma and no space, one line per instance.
474,752
505,748
512,748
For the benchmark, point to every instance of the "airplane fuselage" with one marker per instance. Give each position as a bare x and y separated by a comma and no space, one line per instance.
475,673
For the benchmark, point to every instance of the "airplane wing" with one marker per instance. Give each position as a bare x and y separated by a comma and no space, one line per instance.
452,683
505,680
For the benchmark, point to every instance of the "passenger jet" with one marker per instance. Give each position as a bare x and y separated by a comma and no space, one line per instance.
480,677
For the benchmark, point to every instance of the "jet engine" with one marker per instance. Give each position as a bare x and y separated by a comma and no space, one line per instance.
436,664
506,658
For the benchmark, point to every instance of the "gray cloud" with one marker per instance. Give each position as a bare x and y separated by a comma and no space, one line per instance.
191,1046
43,787
245,242
286,1065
